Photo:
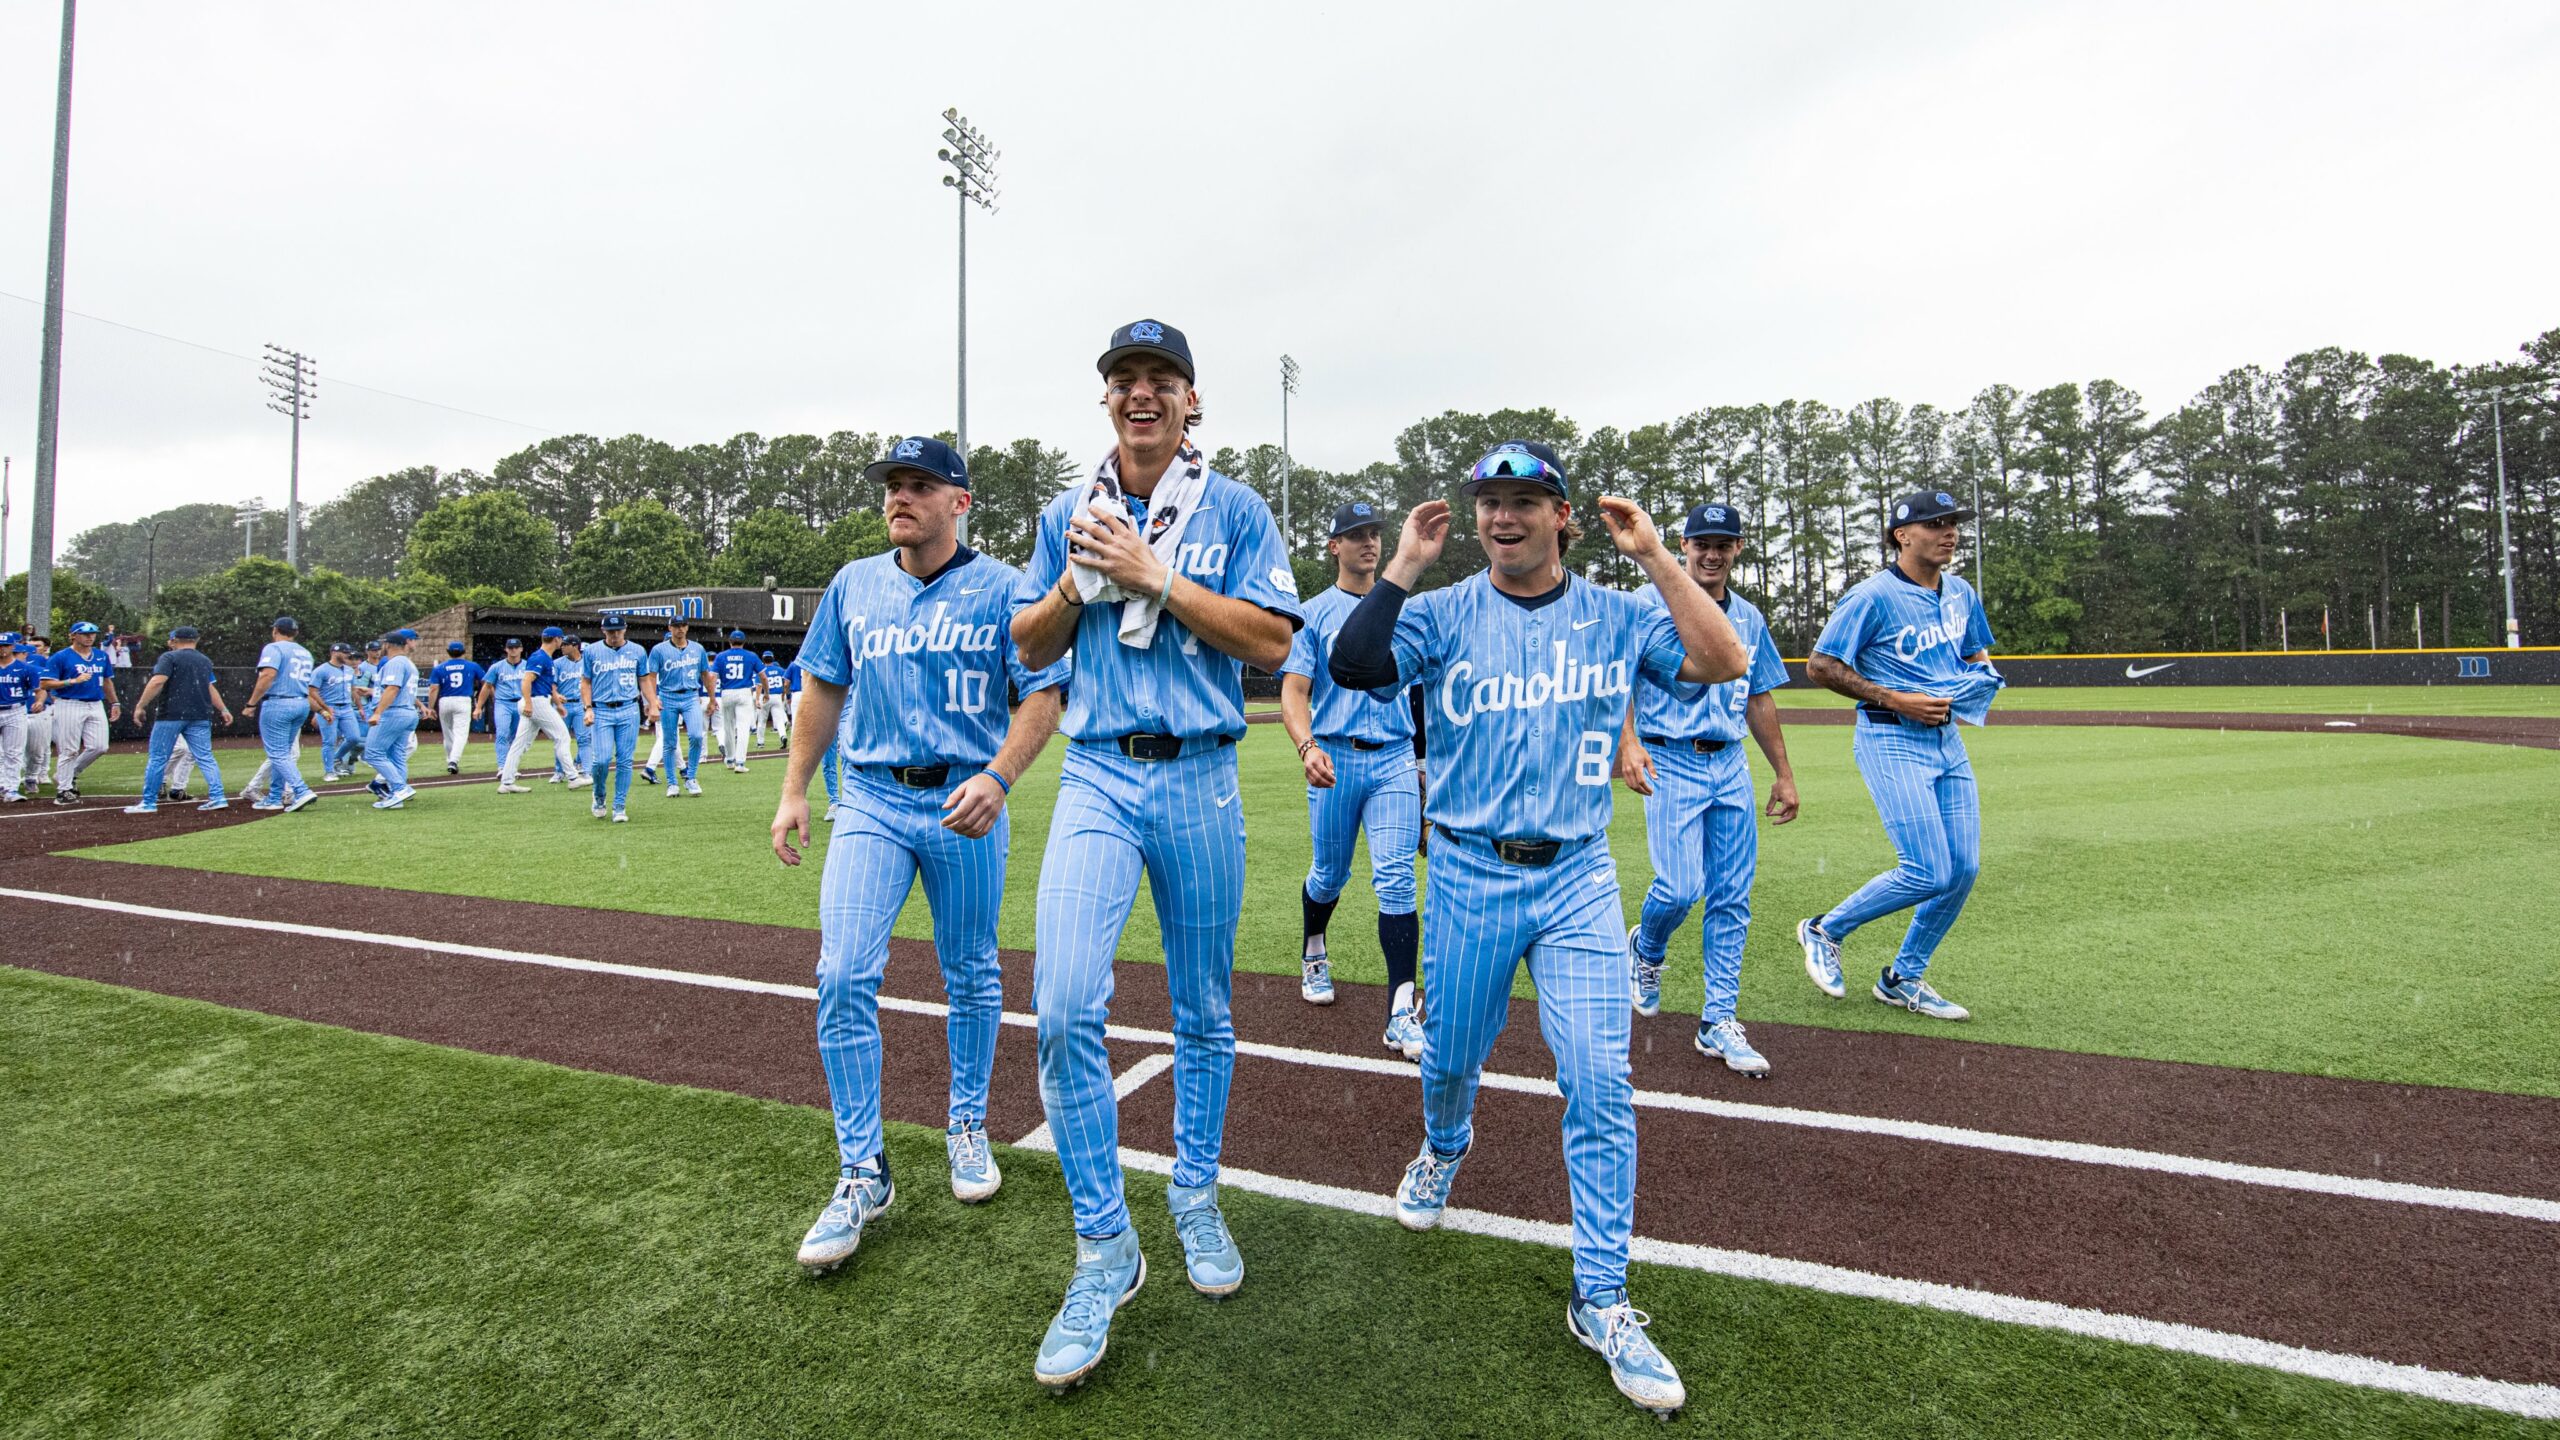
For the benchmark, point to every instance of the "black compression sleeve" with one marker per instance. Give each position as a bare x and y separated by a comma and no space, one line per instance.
1364,653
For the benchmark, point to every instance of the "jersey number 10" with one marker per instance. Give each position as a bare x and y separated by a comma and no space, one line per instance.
965,691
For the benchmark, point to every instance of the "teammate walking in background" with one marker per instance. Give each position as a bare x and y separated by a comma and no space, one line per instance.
83,689
674,676
1529,671
18,692
773,702
366,669
281,703
614,698
395,719
456,682
334,682
569,690
182,685
1698,824
909,657
37,657
734,671
1165,578
1357,753
1911,645
828,764
538,712
502,694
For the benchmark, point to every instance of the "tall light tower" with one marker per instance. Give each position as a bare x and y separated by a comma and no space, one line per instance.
49,366
292,379
247,516
973,163
1288,387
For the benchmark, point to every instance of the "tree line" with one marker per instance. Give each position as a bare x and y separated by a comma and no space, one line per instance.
2356,485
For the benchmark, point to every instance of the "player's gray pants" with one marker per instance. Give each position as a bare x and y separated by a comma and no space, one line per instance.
79,738
13,746
539,714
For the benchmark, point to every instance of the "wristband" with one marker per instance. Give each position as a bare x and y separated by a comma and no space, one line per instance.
1303,744
1074,600
1164,592
990,772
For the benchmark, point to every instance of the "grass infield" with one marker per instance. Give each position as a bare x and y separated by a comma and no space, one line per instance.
2326,904
222,1223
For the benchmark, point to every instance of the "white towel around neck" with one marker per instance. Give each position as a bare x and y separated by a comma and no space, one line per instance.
1169,510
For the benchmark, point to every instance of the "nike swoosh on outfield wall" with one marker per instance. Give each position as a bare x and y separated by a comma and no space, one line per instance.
2132,674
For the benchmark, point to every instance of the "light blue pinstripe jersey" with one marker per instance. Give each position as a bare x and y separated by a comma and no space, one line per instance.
336,684
1904,636
1337,711
506,680
1177,685
1531,699
1712,712
924,663
614,671
400,677
568,677
292,665
679,669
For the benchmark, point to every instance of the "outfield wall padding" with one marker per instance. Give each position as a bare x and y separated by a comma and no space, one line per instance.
2538,666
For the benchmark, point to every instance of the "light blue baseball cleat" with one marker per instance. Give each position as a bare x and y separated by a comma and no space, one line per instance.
1723,1040
974,1176
1315,979
1821,958
1209,1253
1608,1324
1108,1273
1646,980
859,1197
1424,1191
1404,1033
1913,994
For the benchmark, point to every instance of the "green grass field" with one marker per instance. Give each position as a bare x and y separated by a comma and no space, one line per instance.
218,1223
2350,905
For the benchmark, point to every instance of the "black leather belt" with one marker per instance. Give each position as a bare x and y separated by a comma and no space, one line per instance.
1702,747
920,777
1156,747
614,704
1532,853
1879,714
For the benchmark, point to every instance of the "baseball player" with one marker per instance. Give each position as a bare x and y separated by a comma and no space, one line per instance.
539,712
83,689
333,680
613,696
773,703
182,682
674,677
18,692
37,767
395,718
569,689
1165,578
1912,646
828,764
734,672
1529,671
909,656
1358,757
1682,751
502,694
281,700
456,681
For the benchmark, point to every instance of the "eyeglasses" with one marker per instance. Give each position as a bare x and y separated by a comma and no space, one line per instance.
1516,465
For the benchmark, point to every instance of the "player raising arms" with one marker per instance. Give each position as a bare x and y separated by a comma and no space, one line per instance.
1527,671
1165,578
1911,645
1358,757
907,661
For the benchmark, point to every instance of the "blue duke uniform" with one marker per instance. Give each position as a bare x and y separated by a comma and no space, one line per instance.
567,681
835,755
1522,709
281,714
1904,636
733,672
386,746
1374,784
1178,821
679,671
613,672
1701,827
342,739
925,665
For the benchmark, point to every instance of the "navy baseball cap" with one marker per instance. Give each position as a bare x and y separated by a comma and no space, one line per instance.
287,625
1713,517
613,622
1921,506
84,628
373,644
1359,514
451,647
920,452
572,638
1148,337
341,647
514,642
552,632
1518,460
183,632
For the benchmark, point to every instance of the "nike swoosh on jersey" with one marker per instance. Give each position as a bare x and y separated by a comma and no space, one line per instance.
2132,674
1586,624
974,592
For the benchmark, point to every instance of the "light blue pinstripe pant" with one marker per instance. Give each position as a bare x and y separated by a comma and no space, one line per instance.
280,732
1923,788
1180,822
1373,790
1482,918
1704,840
679,710
892,835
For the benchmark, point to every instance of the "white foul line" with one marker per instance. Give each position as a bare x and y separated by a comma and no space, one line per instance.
2535,1401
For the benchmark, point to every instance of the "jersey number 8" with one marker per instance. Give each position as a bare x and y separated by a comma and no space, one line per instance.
1591,760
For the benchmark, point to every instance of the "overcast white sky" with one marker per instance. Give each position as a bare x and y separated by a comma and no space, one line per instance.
694,220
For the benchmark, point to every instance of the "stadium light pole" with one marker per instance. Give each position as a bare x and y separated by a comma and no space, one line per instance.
49,372
291,379
1288,387
246,517
5,462
2506,546
974,180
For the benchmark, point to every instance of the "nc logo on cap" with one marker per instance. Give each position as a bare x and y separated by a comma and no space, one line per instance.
1945,499
1510,447
1901,512
907,450
1359,509
1147,332
1715,512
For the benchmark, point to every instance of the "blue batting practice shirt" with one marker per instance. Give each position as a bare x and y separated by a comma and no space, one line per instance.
924,663
678,667
1905,636
735,669
90,673
292,665
457,679
1522,706
537,673
1683,711
1338,713
793,670
1177,685
614,671
400,677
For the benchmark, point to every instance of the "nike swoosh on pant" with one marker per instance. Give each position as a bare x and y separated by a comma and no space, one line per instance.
1222,804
